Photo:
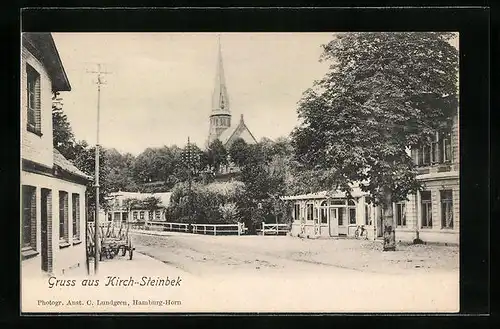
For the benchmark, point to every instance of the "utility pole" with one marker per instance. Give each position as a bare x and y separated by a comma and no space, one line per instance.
97,248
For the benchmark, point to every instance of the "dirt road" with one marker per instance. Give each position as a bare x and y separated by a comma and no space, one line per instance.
285,274
202,254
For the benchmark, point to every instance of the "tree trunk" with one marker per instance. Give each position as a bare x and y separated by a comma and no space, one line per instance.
388,222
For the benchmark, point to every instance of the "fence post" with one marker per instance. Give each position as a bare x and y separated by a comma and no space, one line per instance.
215,230
204,229
239,231
263,228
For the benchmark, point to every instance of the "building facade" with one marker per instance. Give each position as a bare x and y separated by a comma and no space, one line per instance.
53,228
120,211
431,215
326,215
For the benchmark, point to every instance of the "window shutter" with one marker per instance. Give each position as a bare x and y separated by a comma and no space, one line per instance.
33,218
66,216
38,116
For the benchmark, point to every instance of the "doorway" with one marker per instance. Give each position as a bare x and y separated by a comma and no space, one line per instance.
334,222
45,229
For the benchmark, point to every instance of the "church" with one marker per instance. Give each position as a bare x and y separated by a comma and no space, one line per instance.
221,126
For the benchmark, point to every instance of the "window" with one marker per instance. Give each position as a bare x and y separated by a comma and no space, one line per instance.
324,210
341,216
124,217
426,155
401,214
33,104
76,216
426,209
135,215
435,152
447,148
352,215
447,209
109,217
142,215
63,216
150,215
29,217
117,216
368,215
296,212
157,214
309,212
420,157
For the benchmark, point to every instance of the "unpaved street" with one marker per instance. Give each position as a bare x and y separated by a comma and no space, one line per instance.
285,274
202,254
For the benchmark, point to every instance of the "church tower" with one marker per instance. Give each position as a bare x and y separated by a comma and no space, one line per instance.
220,116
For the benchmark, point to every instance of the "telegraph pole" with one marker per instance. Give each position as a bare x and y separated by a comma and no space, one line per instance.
97,248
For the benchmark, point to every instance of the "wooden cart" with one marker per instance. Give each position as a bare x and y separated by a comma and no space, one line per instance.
114,240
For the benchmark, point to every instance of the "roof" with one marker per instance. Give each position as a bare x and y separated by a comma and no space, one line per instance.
356,193
164,196
227,134
66,165
43,47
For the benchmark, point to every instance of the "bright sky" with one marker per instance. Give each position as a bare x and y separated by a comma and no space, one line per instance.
160,89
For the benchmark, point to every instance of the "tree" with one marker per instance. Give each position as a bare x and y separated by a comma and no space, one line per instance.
85,161
216,155
238,152
384,92
63,138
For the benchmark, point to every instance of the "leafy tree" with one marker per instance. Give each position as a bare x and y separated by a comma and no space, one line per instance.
216,155
85,161
384,92
63,138
238,152
119,171
151,203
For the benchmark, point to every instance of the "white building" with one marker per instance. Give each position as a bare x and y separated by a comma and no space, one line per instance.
121,212
52,188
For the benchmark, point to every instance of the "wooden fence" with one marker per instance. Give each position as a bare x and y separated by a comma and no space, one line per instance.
274,229
212,229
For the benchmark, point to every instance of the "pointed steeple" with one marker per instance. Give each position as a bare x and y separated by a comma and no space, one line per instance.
220,99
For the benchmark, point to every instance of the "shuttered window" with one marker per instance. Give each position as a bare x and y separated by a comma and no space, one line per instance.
63,216
76,216
33,102
29,217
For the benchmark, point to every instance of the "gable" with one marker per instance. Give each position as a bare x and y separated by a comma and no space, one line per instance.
242,132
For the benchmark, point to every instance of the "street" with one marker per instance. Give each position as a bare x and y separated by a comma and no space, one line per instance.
289,274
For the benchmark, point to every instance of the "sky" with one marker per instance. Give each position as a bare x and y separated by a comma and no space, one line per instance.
160,87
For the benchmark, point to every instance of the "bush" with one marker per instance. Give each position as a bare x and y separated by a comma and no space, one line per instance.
215,203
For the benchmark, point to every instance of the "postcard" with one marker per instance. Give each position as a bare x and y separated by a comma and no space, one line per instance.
239,172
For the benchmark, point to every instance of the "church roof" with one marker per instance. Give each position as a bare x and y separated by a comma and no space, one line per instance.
231,133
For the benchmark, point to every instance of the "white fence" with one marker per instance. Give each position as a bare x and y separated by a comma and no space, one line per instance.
275,229
212,229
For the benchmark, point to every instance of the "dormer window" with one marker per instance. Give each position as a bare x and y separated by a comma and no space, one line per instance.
33,103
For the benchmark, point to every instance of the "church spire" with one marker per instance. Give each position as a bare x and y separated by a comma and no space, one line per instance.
220,99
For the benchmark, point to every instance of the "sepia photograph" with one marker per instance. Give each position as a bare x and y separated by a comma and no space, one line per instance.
176,172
